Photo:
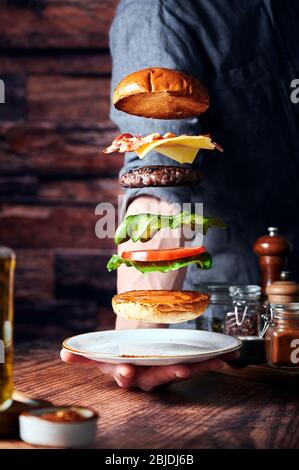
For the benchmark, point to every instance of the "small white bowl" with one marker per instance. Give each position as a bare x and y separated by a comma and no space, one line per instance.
36,430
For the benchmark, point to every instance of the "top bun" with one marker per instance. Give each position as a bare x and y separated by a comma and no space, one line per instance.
161,93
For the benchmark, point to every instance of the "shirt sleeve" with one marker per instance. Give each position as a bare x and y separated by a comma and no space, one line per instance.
151,33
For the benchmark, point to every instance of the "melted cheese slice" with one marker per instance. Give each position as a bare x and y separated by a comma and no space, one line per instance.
182,149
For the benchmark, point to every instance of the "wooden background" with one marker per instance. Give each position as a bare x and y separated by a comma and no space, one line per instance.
55,63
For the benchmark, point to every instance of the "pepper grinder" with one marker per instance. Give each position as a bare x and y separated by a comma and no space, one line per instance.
283,291
272,250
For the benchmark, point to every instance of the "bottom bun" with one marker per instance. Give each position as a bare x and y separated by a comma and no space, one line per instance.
160,306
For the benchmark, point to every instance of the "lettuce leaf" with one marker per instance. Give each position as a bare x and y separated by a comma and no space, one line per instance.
203,261
143,227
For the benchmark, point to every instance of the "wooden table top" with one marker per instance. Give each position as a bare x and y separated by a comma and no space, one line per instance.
211,411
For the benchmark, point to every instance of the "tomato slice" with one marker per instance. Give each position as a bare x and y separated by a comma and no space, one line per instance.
162,255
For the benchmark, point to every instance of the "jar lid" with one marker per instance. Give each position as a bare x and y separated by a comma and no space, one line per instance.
289,311
281,308
249,291
218,291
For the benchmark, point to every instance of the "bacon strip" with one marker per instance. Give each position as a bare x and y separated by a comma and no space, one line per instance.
218,147
129,143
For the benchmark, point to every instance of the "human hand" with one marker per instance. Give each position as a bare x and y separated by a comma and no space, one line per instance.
148,378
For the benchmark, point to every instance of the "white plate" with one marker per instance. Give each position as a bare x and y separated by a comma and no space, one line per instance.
153,346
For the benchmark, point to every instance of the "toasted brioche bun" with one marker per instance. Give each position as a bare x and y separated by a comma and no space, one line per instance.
162,94
160,306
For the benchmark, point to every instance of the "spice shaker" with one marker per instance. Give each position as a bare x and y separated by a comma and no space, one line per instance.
272,250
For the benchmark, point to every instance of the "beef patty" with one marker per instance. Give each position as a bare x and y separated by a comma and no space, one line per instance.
158,175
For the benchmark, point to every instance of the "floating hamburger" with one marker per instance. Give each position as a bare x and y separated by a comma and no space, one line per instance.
161,93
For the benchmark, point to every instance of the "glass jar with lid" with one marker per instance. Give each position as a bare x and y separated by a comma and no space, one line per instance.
282,336
220,303
244,318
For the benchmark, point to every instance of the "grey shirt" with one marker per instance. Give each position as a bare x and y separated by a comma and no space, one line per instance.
246,54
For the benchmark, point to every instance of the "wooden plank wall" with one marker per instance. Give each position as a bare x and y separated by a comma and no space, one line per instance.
55,63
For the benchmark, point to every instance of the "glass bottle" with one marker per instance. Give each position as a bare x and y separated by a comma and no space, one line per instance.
244,319
7,265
